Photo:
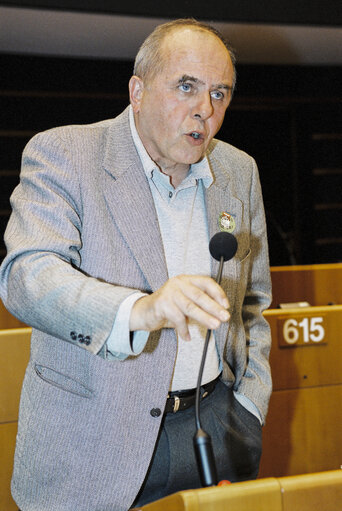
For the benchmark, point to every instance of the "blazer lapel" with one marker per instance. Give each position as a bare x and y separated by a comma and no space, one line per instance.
219,198
130,202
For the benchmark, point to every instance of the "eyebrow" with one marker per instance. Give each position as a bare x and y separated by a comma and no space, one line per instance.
188,78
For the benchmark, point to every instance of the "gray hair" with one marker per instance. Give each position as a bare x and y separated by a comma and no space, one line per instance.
149,60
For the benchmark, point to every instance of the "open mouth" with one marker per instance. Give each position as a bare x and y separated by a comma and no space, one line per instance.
196,135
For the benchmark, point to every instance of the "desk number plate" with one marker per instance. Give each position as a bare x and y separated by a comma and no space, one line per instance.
302,330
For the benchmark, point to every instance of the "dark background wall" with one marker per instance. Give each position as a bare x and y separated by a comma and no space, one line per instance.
282,11
287,117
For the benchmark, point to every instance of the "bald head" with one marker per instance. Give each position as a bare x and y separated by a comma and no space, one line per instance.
151,56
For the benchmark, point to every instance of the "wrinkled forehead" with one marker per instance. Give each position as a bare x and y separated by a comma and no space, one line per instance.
196,50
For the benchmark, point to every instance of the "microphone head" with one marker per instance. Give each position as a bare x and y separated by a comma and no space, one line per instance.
223,244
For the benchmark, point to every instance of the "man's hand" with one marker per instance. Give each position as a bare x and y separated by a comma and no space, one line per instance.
181,298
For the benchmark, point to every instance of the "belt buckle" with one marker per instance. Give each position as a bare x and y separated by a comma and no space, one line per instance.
176,404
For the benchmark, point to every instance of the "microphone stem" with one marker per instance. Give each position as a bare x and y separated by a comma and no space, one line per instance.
200,374
204,355
219,273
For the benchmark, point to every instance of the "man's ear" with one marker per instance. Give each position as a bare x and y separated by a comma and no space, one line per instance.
136,88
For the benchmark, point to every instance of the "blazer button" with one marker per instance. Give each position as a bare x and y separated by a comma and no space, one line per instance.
155,412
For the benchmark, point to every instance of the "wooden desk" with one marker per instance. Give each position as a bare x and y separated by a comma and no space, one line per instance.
311,492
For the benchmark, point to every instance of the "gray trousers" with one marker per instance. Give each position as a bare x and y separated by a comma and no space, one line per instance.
236,437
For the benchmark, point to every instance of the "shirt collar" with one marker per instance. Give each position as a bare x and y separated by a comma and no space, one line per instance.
200,170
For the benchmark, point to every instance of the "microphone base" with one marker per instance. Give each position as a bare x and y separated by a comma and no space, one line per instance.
205,458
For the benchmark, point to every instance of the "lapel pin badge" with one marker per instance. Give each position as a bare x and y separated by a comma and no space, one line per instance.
226,222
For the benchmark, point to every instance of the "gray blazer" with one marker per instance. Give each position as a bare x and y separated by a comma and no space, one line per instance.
83,235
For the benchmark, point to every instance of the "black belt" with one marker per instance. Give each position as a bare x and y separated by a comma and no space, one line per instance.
182,399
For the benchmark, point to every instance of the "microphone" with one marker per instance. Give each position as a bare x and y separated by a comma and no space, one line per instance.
222,247
223,244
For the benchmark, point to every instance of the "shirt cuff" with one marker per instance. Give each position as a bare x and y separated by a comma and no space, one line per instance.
122,343
249,405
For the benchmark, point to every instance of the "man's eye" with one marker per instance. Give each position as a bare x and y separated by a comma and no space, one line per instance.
216,94
185,87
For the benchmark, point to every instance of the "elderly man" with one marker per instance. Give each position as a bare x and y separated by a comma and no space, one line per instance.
108,261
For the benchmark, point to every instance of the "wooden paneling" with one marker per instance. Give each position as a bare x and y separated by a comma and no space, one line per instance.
296,366
7,443
318,284
14,356
7,320
302,431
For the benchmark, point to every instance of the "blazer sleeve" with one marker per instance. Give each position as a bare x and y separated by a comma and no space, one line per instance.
41,282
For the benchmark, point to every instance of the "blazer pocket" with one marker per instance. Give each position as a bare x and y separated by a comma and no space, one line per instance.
62,381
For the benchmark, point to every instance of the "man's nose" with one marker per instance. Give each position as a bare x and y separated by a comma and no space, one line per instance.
203,107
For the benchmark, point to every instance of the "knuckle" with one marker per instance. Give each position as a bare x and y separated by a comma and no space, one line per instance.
198,294
189,308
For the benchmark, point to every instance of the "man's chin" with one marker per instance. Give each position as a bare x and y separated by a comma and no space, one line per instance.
193,161
193,158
